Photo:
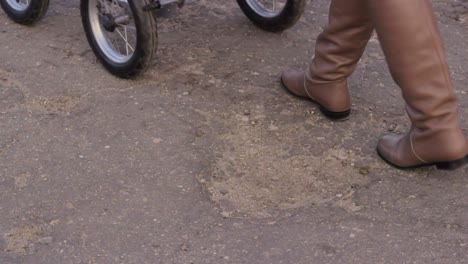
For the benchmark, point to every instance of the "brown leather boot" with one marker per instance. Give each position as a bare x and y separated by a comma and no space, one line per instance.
338,49
415,54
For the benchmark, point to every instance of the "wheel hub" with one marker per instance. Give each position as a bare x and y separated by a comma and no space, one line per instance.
108,22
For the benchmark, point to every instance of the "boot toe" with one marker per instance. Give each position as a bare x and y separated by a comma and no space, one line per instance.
395,151
385,148
293,81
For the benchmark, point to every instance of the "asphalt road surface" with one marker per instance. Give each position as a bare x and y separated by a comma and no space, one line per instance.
205,159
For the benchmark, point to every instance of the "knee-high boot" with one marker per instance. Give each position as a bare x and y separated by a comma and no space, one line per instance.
338,49
410,39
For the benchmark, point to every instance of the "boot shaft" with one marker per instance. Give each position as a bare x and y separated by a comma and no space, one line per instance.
415,54
340,46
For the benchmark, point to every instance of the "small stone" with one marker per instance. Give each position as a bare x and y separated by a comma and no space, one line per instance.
223,192
339,195
273,128
364,170
244,119
276,178
107,147
392,127
247,112
80,156
45,240
185,93
225,214
259,117
184,247
199,133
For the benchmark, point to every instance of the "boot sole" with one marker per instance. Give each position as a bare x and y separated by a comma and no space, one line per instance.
444,165
336,116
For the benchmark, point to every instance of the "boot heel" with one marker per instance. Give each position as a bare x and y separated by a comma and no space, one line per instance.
452,165
337,116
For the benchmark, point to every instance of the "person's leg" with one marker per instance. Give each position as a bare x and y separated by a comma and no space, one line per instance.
338,49
410,39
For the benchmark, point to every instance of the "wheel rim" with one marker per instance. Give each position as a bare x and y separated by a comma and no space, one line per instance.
19,5
267,8
114,29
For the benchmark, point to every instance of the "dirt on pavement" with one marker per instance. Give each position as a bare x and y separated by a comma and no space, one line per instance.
205,158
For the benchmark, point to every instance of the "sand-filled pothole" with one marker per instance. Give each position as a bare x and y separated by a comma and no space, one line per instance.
255,174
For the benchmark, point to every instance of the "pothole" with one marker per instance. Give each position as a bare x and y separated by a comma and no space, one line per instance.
254,174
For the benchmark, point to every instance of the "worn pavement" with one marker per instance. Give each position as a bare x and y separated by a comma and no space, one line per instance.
205,159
